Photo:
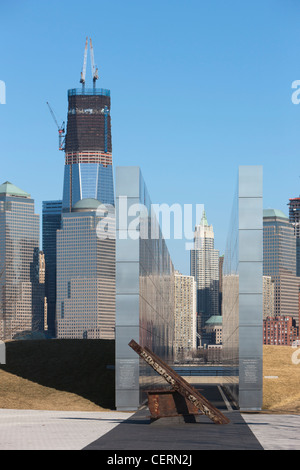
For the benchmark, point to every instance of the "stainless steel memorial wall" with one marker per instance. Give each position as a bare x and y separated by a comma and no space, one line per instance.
144,289
242,291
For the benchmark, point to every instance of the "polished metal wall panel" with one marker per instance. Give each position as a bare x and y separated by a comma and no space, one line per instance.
144,289
250,245
250,277
128,181
127,248
250,181
249,313
127,306
124,334
242,290
250,209
127,278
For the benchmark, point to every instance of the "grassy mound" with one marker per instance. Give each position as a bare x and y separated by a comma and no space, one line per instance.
72,375
58,375
281,394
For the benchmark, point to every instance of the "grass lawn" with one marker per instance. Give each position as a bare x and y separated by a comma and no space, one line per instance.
72,375
281,394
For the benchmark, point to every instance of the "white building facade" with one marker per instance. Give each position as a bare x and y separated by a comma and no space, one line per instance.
205,270
185,314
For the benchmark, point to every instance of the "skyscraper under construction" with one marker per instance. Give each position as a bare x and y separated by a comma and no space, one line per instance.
85,301
88,146
84,265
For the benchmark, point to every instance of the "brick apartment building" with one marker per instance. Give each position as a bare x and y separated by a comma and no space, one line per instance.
280,330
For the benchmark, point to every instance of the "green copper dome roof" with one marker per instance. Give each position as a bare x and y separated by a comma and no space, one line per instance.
274,213
214,320
87,204
10,189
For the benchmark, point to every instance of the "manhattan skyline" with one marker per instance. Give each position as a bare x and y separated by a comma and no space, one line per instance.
196,89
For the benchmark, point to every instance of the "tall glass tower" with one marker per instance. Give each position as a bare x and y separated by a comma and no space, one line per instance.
85,300
279,262
21,295
205,269
88,148
294,217
85,262
51,223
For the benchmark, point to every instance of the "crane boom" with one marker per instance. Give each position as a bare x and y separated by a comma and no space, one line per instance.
94,69
53,115
83,73
61,129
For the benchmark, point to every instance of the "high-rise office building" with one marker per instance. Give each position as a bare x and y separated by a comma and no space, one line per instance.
185,293
279,262
294,217
51,223
21,292
88,148
85,298
205,270
88,175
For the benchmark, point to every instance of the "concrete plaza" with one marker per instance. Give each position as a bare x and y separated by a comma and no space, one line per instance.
62,430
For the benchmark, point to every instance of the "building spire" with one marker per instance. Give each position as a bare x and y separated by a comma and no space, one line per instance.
204,219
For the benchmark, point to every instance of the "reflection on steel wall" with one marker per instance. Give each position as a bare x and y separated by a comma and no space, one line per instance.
242,291
144,289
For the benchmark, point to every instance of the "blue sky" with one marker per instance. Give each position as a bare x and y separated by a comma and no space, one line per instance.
198,88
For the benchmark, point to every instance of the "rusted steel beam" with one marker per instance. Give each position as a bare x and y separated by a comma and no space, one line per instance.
179,384
167,403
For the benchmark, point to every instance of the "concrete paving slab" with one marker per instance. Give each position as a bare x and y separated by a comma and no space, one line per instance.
274,431
136,433
54,430
64,430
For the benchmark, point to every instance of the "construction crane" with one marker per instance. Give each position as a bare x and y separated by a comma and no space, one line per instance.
95,75
83,73
61,130
94,69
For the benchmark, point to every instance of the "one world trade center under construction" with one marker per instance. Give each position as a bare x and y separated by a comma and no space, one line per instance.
88,169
